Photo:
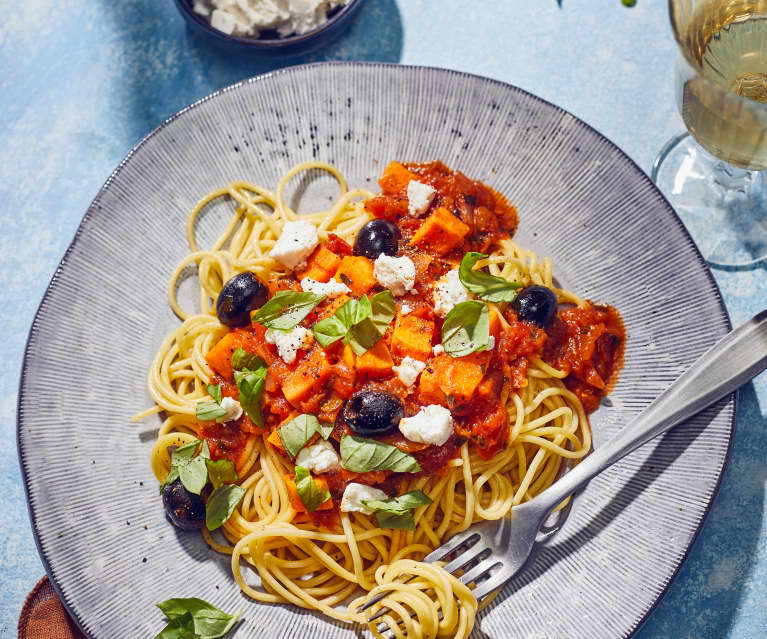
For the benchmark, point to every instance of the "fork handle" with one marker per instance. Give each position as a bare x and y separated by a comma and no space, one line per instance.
731,362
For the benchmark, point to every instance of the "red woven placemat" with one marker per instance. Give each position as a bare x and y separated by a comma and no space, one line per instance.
43,616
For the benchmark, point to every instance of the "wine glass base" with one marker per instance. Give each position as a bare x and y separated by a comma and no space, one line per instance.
723,207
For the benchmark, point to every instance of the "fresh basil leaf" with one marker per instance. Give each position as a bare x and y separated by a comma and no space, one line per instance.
354,311
205,450
215,391
185,453
170,477
360,455
466,328
208,621
194,474
208,411
361,323
251,385
408,501
221,504
363,336
382,310
286,309
221,471
241,360
329,330
485,286
311,495
326,430
179,628
297,432
402,520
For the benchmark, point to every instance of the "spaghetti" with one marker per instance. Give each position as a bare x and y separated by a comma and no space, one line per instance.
322,560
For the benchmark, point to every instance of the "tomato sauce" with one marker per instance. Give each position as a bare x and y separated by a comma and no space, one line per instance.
586,342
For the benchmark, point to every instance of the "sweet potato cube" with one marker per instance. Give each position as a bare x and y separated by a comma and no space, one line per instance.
453,378
307,379
376,362
441,232
321,265
295,500
356,273
274,440
412,336
219,357
395,179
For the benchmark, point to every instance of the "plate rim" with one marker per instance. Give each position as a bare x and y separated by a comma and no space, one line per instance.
732,399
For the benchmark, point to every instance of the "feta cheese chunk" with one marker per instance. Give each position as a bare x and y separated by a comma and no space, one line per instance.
409,370
419,197
319,458
449,292
432,424
200,8
437,349
355,494
289,342
395,273
232,408
295,244
405,308
328,289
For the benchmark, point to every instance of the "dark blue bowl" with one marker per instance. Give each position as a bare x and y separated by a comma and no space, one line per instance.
270,44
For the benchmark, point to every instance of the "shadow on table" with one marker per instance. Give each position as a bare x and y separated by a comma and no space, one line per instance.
715,572
160,66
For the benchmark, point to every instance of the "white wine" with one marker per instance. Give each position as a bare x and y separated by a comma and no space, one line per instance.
722,83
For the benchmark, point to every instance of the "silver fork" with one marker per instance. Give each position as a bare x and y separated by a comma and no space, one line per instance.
499,549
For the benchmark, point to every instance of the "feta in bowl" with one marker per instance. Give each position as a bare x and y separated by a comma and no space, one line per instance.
277,26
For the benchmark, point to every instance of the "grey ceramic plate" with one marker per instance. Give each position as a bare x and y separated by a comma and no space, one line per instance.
93,500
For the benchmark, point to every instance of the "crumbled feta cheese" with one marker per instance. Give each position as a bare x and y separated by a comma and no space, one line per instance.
289,342
409,370
419,197
319,458
249,17
449,292
200,8
232,408
395,273
437,349
355,494
328,289
432,424
405,308
296,243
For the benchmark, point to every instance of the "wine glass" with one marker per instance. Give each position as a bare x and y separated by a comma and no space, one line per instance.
713,174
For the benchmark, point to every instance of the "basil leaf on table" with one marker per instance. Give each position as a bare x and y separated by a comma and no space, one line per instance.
466,328
221,504
297,432
241,360
485,286
221,471
179,628
208,411
207,621
360,455
215,391
251,385
310,494
286,309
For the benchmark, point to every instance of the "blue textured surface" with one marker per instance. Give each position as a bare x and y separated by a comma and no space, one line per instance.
81,83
